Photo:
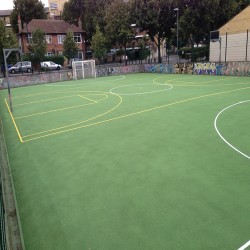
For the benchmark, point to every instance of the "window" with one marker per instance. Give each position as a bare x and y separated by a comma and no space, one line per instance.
60,39
53,6
48,39
49,54
29,38
77,38
79,54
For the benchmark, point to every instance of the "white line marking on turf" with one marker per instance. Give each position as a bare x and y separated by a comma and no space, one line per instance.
140,93
245,246
218,132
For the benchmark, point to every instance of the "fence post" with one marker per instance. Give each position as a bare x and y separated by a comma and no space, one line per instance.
226,49
246,45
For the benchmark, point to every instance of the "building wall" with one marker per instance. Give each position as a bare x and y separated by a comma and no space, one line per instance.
234,47
56,7
52,47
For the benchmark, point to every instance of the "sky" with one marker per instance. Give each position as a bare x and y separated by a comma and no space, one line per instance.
8,4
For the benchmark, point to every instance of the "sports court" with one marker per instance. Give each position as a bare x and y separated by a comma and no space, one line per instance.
139,161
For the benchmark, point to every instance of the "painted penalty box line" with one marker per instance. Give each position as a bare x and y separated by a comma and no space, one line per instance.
136,113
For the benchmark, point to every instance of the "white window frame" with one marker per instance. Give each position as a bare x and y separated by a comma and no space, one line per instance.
49,53
49,39
60,39
29,38
77,37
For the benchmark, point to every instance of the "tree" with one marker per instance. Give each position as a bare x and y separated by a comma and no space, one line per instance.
156,17
7,40
37,46
28,10
118,23
70,47
72,11
99,44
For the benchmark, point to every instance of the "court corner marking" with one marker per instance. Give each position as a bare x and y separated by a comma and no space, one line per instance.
13,120
244,246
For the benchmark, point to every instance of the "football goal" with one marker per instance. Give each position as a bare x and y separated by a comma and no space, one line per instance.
83,69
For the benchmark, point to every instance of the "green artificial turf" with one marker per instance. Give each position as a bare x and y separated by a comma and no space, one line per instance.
131,162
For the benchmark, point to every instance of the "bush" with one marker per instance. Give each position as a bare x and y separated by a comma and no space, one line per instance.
197,54
59,59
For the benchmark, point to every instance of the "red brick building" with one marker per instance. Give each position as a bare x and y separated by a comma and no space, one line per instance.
55,32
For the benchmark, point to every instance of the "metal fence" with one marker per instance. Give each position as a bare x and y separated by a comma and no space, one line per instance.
231,47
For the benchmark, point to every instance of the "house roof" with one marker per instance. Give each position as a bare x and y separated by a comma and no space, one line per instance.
238,24
51,26
5,12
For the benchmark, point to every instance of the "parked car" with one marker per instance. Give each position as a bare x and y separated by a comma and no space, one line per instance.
50,66
24,66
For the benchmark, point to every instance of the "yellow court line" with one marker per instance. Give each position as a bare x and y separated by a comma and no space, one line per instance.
209,85
136,113
13,120
54,110
74,124
50,111
69,90
44,100
84,97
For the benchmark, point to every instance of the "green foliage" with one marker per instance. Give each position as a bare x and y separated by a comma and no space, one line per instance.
72,11
7,41
70,47
99,44
59,59
195,54
118,27
156,17
120,52
28,10
37,46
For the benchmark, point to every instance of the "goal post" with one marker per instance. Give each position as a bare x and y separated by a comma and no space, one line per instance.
83,69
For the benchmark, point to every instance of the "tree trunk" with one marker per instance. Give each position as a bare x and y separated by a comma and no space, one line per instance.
159,49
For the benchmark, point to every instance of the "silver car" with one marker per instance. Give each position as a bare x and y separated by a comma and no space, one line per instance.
50,66
24,66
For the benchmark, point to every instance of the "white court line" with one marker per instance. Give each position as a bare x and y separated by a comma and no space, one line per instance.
218,132
244,246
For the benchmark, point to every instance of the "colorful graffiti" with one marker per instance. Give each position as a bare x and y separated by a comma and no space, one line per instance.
206,68
158,68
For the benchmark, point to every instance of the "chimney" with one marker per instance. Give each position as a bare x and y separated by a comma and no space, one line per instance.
80,23
19,24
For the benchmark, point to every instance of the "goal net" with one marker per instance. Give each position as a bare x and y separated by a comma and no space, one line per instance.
83,69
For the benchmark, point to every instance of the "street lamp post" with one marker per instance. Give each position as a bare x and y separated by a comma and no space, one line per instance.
177,24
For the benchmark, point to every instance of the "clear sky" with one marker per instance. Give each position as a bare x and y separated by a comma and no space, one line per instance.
8,4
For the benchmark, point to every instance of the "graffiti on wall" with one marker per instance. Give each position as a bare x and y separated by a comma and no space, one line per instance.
238,68
126,69
158,68
206,68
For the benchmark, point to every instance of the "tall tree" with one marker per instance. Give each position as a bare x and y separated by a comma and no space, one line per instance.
99,44
156,17
72,11
37,46
28,10
118,24
7,40
70,47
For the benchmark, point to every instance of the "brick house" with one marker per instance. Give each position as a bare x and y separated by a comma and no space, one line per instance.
55,32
